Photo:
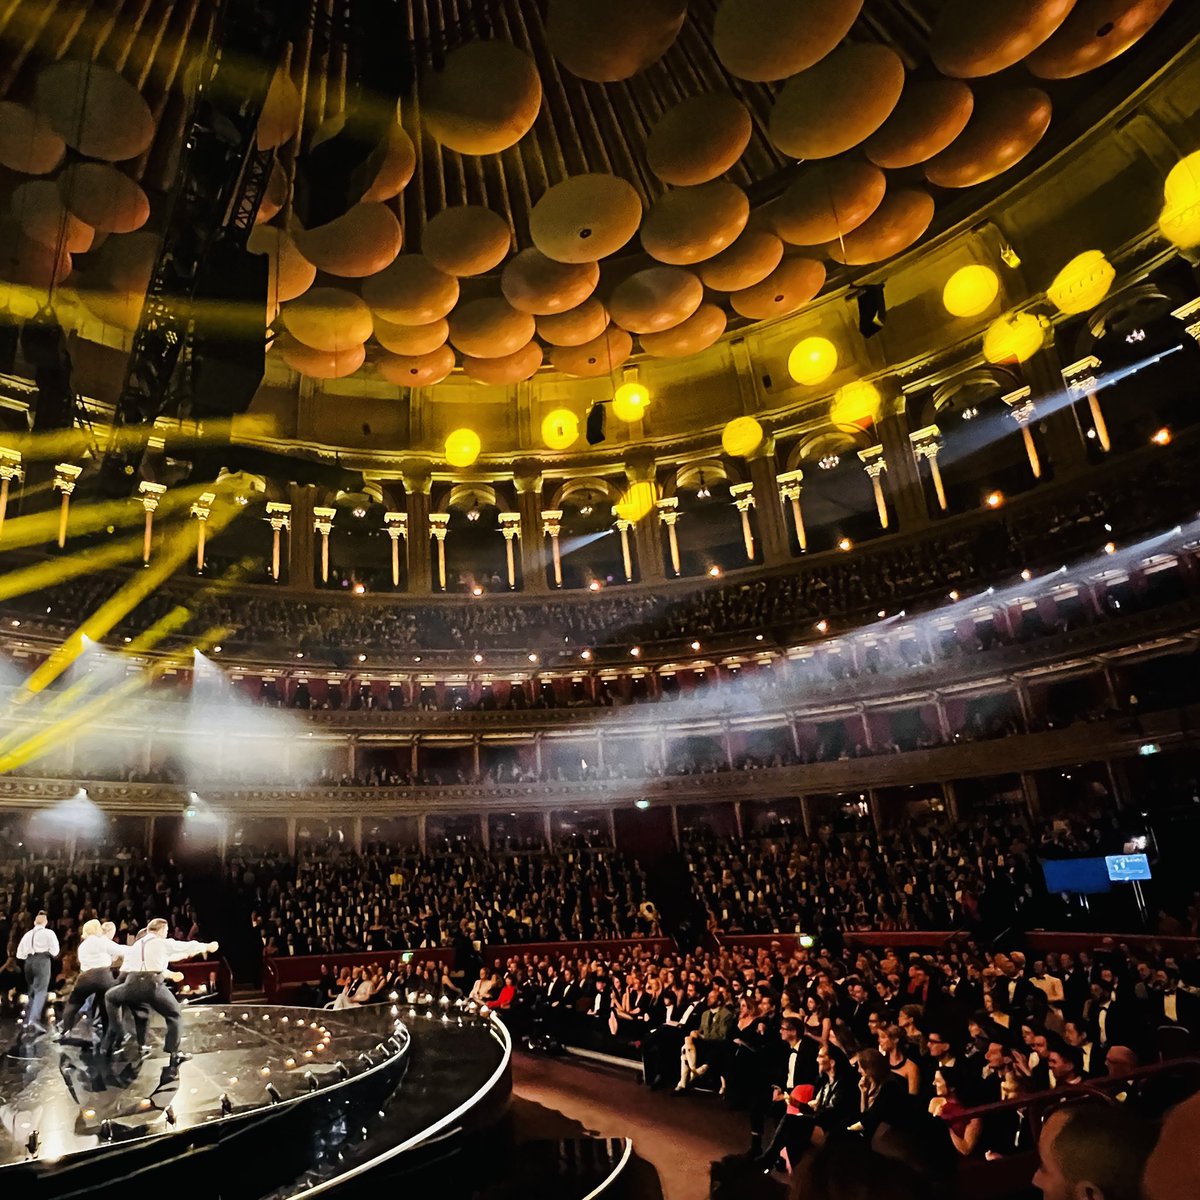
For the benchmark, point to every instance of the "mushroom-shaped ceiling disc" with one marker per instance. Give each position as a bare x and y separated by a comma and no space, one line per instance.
411,341
362,242
94,109
750,259
655,299
512,368
321,364
103,197
600,356
40,213
928,118
585,218
399,163
418,370
412,291
764,40
1095,32
828,200
697,333
489,328
329,319
290,274
691,224
533,283
28,143
789,287
832,107
30,264
484,100
609,40
897,223
970,39
699,139
581,324
1005,128
280,117
466,240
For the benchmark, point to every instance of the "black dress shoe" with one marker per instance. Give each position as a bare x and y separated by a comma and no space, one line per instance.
176,1059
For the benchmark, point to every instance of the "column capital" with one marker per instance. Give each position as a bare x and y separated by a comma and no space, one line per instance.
1020,405
396,524
642,471
417,475
926,442
10,464
743,496
551,522
668,509
791,484
1188,315
621,525
873,461
510,524
323,519
527,479
150,493
65,477
202,509
279,515
439,525
1081,377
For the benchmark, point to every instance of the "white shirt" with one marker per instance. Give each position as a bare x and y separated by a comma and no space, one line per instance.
155,954
793,1062
1170,1008
38,940
97,951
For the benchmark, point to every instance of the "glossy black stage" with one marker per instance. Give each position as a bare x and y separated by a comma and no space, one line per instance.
272,1101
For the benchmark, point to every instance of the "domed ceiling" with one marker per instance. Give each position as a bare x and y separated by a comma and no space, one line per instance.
569,182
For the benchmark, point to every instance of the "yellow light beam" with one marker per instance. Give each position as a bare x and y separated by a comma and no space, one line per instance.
37,745
127,598
59,570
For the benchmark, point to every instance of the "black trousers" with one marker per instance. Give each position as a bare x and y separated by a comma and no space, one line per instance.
95,982
37,982
660,1054
142,989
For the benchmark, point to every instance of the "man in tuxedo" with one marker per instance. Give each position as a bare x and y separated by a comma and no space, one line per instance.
834,1106
784,1075
1109,1020
1076,1035
858,1011
1169,1004
1076,986
1066,1066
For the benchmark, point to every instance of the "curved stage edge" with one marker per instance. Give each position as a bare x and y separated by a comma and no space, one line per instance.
274,1102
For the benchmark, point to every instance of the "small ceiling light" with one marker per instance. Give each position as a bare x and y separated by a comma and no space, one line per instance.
758,637
416,658
594,586
714,572
953,594
586,655
822,626
299,653
695,645
473,513
533,658
362,658
642,804
881,613
585,510
241,501
827,462
994,499
1110,548
359,513
1092,434
636,652
218,649
479,658
17,625
1162,437
1027,574
969,413
477,590
844,543
359,589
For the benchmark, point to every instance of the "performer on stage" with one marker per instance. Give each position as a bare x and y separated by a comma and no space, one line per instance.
143,968
36,951
97,954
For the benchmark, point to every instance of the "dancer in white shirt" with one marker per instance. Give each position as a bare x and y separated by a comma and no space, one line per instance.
143,968
98,953
37,949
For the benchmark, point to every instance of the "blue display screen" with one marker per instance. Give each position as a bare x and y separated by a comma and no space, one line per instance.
1083,876
1125,868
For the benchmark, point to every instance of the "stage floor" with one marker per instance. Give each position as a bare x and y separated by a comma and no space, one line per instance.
61,1101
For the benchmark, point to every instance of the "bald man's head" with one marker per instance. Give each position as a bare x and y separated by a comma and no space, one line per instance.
1092,1152
1171,1168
